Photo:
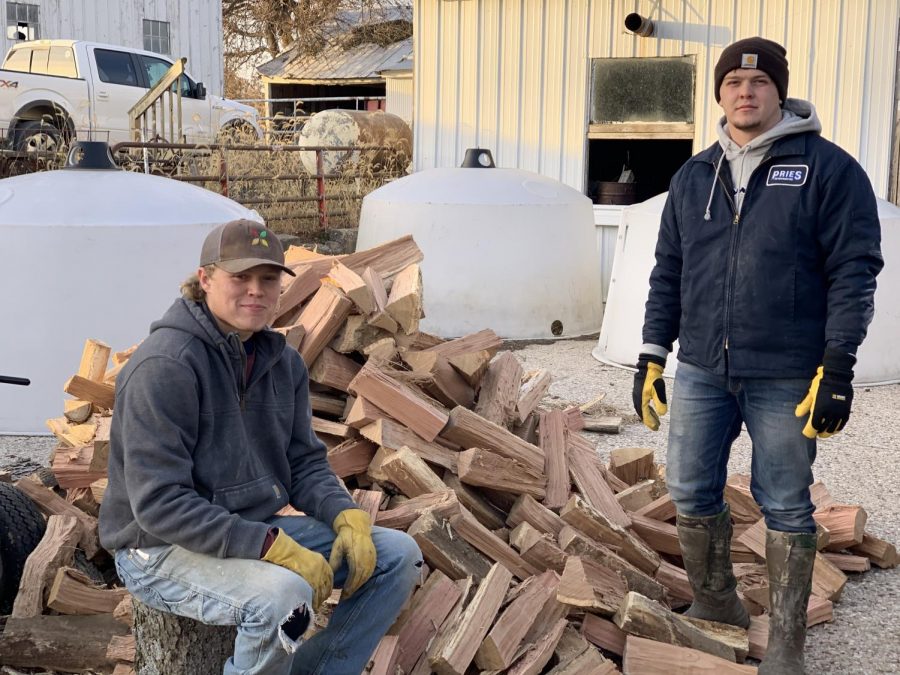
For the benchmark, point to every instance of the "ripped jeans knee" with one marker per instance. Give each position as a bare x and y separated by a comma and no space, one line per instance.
294,626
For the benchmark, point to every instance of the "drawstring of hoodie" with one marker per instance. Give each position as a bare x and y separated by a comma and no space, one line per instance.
712,189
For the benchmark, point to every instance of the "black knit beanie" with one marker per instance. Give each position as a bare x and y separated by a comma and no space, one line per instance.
758,53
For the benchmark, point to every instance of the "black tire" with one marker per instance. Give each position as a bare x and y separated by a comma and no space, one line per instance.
38,136
21,528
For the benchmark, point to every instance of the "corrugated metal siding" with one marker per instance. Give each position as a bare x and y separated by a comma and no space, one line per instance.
512,75
195,28
399,97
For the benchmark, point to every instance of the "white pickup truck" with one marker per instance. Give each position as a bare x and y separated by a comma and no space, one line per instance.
55,89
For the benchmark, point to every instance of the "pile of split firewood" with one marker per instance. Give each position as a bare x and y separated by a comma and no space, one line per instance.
540,558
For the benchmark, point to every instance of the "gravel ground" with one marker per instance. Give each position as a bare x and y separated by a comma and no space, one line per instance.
859,466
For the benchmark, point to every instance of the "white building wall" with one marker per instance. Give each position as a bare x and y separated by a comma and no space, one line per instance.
399,96
513,75
195,28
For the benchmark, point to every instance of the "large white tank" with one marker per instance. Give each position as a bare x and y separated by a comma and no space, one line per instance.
89,253
620,336
504,249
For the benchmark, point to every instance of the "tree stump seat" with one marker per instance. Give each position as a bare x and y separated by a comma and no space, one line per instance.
168,644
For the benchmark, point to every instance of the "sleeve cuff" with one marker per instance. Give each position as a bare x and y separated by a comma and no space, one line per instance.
655,350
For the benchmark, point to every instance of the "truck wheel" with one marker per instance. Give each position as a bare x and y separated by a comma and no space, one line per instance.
21,528
38,136
237,133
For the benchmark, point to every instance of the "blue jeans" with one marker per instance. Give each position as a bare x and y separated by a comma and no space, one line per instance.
707,412
265,601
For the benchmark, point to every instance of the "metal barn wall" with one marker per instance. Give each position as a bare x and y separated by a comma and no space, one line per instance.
195,28
399,96
513,75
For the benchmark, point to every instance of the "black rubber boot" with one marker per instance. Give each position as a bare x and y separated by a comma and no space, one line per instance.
706,549
790,557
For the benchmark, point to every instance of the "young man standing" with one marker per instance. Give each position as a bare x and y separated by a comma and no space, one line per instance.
211,437
765,272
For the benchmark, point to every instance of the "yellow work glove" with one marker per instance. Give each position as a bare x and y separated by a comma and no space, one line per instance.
353,542
649,386
310,565
830,396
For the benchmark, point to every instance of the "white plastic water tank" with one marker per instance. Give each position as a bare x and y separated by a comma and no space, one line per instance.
89,253
504,249
620,336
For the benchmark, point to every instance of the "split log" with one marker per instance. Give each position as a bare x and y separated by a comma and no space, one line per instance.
500,390
662,508
98,489
588,474
643,617
329,428
388,433
51,504
553,443
351,457
300,287
471,365
880,552
499,648
846,525
603,424
538,654
121,648
744,508
580,515
604,633
528,510
56,549
474,342
660,536
648,657
639,495
470,430
590,586
574,543
733,636
353,286
590,662
445,550
849,563
124,611
405,300
321,318
384,660
631,464
486,513
94,360
325,404
443,382
355,335
334,370
443,504
538,549
675,579
73,467
66,643
417,626
534,385
361,412
99,393
293,335
464,638
73,592
411,474
77,411
487,469
379,318
386,259
482,539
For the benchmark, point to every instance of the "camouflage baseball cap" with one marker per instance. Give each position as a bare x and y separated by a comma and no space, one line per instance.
241,244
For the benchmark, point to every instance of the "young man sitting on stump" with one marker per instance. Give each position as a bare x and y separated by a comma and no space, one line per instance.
211,437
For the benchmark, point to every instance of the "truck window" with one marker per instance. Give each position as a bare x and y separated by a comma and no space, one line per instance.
39,58
18,60
157,68
62,62
115,67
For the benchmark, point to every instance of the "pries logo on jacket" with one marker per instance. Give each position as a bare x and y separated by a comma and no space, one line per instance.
792,175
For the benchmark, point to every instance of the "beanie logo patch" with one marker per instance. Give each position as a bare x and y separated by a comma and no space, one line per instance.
792,175
749,60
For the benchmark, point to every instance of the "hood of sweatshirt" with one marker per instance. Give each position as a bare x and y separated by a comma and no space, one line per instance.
797,117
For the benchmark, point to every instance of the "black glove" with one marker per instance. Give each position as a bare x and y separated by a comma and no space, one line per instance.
649,386
830,395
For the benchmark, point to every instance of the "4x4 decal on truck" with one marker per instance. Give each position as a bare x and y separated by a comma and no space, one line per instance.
9,84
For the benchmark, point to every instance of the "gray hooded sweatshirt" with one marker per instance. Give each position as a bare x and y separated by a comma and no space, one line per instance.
797,117
199,457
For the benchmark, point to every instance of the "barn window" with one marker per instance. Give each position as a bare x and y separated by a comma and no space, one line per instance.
156,36
22,21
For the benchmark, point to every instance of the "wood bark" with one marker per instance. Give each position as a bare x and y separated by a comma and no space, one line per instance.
56,549
470,430
587,473
655,658
553,443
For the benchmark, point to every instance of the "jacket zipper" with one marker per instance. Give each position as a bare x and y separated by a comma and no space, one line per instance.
732,251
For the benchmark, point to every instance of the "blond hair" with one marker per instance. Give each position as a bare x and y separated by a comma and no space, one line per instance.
191,288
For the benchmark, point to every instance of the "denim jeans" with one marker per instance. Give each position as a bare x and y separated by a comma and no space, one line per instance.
706,415
265,601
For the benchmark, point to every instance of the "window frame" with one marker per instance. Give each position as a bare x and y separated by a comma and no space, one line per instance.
31,9
134,65
153,31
